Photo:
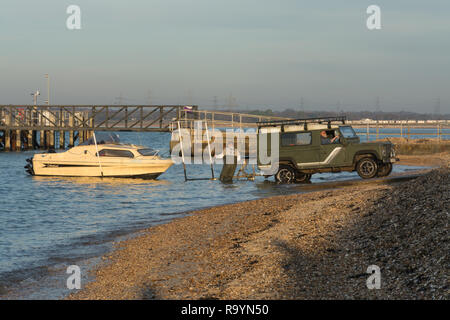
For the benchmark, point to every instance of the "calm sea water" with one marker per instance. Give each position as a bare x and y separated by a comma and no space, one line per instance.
49,223
416,133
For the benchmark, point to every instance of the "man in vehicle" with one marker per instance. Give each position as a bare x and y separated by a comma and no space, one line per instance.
326,140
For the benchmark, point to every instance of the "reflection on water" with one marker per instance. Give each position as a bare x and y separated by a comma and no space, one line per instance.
47,223
89,182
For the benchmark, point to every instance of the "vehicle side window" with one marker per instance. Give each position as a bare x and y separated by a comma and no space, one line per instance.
295,139
115,153
348,132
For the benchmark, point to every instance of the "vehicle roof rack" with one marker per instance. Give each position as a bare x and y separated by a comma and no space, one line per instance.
324,120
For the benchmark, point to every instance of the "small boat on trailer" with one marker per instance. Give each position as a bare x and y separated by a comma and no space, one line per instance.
100,156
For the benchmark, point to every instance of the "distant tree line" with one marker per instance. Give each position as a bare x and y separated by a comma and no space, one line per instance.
351,115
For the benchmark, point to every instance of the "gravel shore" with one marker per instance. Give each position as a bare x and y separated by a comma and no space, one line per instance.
315,245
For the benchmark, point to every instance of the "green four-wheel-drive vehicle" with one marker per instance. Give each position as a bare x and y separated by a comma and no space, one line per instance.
314,145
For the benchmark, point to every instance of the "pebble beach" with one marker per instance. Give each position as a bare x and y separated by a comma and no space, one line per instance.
315,245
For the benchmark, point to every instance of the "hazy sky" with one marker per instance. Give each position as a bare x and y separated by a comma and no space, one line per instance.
264,53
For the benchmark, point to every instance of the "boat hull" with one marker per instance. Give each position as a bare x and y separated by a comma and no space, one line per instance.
141,170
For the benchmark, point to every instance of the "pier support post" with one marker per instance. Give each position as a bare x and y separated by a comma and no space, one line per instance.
7,140
52,139
29,139
71,138
46,139
82,133
18,142
71,132
18,138
62,139
7,133
52,136
41,132
42,139
62,135
35,141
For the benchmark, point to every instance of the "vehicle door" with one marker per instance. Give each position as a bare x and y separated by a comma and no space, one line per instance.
299,148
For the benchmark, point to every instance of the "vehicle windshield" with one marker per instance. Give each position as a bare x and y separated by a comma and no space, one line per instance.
102,138
348,132
148,152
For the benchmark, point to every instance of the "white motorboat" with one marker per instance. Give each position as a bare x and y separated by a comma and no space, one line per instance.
100,156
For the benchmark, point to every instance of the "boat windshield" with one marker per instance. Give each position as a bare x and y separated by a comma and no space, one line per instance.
148,152
102,138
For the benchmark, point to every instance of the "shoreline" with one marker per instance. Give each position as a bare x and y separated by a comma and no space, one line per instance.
246,250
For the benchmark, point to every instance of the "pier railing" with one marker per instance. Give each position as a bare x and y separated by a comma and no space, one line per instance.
220,119
373,129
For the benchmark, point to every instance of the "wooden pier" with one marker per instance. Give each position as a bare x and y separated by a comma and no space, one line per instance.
48,127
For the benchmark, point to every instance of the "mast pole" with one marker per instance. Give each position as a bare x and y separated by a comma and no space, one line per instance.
182,151
98,156
209,149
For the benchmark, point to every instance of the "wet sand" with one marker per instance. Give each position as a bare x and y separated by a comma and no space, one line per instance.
315,245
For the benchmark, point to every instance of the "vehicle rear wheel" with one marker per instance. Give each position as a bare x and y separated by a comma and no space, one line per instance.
285,174
301,177
367,168
384,170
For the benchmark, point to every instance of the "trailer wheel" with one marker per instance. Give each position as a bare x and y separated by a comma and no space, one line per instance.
302,177
285,174
367,168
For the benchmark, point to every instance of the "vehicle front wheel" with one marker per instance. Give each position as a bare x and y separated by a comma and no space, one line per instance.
285,174
384,170
367,168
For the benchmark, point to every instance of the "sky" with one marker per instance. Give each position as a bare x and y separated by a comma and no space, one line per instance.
263,54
